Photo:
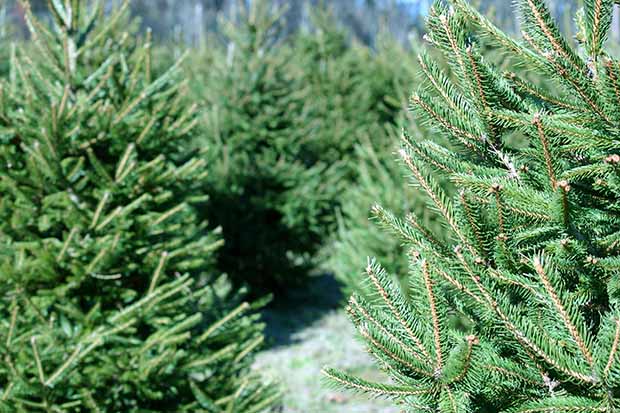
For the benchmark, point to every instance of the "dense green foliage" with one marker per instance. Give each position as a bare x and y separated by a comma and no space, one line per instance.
353,94
270,192
284,116
109,299
112,298
518,311
378,180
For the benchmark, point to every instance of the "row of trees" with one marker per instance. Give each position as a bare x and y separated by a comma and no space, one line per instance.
287,119
112,255
500,296
191,20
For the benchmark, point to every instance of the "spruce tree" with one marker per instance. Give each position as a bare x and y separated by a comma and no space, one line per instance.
271,191
377,178
519,310
109,302
355,92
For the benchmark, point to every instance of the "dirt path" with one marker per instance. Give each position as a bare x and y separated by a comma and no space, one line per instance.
309,330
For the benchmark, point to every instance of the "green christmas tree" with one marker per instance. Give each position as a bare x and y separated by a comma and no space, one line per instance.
109,302
271,191
378,179
519,311
356,93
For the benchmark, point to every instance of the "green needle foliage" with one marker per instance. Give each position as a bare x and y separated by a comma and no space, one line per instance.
271,191
107,298
353,92
520,310
378,179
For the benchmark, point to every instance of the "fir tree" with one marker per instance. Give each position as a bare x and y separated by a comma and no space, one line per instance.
378,179
108,298
271,192
519,311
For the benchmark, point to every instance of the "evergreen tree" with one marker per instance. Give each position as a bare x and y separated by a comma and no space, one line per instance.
519,311
271,192
329,71
378,179
358,235
108,298
357,101
354,92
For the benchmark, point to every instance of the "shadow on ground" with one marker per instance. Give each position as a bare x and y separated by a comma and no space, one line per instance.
309,330
297,308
